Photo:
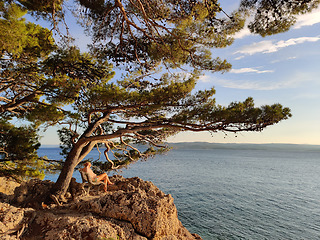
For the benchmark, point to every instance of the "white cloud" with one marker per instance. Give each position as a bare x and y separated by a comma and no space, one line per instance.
262,46
239,58
248,84
308,19
205,79
243,33
210,79
291,58
250,70
286,59
296,80
270,46
243,84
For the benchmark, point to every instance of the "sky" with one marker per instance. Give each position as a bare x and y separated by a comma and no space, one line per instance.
283,68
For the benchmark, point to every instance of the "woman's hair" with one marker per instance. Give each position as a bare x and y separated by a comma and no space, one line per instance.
86,164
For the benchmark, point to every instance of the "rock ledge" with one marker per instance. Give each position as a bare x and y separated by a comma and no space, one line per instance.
132,209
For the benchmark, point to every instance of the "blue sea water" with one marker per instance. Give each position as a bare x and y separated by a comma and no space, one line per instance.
242,192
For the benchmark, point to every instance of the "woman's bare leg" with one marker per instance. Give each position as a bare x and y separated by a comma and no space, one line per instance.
104,178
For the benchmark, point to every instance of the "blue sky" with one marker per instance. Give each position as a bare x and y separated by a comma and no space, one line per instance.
284,68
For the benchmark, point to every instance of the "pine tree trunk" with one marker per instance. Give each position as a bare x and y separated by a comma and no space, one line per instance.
72,160
78,152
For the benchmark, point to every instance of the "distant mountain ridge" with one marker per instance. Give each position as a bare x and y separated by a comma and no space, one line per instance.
244,146
240,146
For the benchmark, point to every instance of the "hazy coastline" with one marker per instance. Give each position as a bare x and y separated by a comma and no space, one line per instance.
249,146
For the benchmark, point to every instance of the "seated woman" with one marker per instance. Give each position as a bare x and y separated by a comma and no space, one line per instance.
102,177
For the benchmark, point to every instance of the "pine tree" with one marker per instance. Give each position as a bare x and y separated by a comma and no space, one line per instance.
162,45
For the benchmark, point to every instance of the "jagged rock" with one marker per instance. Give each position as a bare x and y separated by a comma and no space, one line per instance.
32,193
13,221
132,209
70,225
27,223
151,212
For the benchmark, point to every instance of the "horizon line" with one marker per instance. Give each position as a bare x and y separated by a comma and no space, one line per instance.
309,144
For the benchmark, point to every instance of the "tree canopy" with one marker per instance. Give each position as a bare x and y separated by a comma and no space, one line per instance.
161,47
272,17
174,33
37,80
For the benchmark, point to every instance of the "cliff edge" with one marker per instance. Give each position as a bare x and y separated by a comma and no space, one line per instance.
132,209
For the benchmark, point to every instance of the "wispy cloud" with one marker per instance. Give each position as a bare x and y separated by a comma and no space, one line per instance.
249,84
250,70
271,46
308,19
308,95
242,33
241,84
205,79
285,59
296,80
239,58
209,79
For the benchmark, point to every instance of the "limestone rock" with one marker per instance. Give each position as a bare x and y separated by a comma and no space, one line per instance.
151,212
79,226
132,209
32,193
13,221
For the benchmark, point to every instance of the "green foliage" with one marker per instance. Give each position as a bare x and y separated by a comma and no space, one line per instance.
47,9
72,73
174,33
153,40
148,111
66,138
272,17
37,80
12,29
16,141
19,39
18,151
49,114
42,6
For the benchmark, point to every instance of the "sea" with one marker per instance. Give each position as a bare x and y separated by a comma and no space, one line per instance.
236,191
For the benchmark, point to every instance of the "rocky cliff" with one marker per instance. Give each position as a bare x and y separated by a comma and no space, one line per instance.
132,209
